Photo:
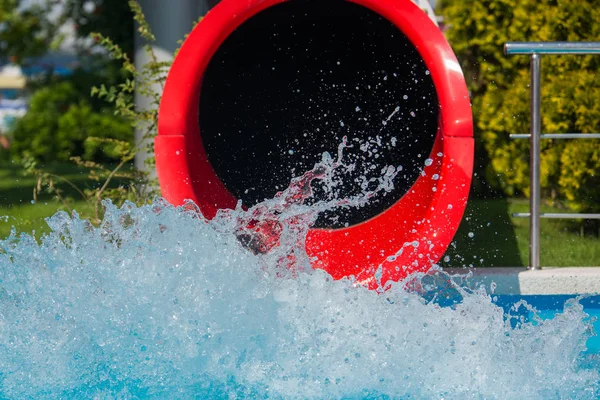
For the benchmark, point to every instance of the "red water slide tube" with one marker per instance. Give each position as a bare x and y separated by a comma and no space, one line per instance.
208,96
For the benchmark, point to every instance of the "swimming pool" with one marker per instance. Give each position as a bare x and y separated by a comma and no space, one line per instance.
547,306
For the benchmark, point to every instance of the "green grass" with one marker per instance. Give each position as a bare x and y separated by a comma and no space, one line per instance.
488,236
559,245
16,198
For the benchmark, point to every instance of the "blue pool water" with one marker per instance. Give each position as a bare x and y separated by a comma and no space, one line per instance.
547,306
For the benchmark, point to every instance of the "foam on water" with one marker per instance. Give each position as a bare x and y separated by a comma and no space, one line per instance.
158,302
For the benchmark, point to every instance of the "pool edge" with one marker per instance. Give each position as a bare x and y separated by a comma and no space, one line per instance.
520,280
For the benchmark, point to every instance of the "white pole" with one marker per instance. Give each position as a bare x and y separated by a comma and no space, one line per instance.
170,21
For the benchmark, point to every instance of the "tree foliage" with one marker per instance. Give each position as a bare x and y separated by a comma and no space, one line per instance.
109,18
499,86
26,32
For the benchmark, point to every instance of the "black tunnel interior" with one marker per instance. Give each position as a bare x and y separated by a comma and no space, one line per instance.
293,80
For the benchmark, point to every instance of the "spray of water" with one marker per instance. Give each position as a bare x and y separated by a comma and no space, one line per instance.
158,302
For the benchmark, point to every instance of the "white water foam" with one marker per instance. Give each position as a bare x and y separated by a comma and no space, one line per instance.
158,302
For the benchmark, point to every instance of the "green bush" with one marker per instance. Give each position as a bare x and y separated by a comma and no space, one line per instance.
499,86
59,125
35,133
80,127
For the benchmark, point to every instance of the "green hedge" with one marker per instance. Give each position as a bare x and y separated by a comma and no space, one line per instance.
61,124
499,86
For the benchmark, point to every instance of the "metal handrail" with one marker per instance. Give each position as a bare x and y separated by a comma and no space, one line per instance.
560,215
557,135
535,50
552,48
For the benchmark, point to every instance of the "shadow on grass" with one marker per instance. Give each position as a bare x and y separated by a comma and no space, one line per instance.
486,237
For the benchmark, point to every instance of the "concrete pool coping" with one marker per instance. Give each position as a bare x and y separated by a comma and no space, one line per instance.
520,280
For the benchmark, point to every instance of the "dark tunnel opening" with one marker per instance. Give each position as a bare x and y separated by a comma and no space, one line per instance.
293,80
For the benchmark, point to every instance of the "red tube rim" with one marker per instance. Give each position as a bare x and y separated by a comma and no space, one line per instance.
426,217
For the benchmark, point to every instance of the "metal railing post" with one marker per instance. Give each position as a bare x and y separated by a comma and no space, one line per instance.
535,155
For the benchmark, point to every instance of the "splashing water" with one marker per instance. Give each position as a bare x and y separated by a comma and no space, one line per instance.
158,302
